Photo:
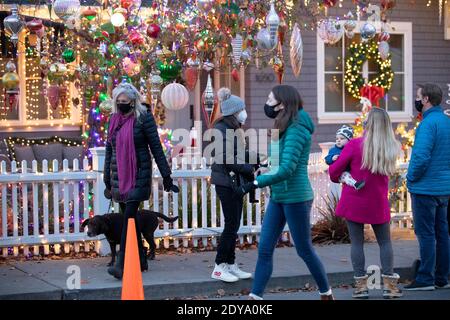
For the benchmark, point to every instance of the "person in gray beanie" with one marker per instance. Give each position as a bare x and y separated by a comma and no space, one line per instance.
343,136
227,170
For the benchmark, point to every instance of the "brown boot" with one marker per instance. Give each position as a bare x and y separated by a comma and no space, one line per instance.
390,286
361,290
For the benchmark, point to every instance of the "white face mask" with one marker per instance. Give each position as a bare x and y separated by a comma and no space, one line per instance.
242,116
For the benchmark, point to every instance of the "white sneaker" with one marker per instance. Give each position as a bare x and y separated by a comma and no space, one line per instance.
234,270
222,272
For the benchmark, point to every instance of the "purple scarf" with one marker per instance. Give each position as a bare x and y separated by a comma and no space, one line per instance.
122,128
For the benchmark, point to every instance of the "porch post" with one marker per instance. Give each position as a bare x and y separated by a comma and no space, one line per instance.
100,202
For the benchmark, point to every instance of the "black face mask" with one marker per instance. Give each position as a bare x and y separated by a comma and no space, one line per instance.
419,105
270,111
124,108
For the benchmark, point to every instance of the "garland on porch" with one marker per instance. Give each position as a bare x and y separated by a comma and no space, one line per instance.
360,53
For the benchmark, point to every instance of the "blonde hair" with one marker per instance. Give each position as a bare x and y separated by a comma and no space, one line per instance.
381,149
133,94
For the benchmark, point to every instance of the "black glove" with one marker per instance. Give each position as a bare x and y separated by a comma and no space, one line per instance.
169,186
107,193
242,190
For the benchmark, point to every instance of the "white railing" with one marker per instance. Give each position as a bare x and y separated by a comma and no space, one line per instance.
43,209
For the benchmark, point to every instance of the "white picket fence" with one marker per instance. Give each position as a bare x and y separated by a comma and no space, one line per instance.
57,202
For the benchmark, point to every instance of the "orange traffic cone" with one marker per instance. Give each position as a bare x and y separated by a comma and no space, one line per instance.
132,288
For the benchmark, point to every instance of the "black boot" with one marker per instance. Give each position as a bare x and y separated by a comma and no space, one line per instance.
117,270
143,260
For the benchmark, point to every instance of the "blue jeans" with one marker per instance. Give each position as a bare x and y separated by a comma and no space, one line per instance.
431,228
297,216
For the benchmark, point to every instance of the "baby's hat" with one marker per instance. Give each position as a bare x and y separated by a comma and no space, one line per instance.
346,131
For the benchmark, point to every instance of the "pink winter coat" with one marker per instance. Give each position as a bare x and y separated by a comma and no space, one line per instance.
370,205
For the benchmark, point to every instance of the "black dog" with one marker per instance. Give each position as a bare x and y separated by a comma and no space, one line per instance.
111,225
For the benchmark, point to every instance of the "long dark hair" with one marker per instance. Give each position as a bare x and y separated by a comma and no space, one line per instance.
230,121
292,102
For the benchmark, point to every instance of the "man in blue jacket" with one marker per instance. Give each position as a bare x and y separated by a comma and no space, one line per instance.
428,181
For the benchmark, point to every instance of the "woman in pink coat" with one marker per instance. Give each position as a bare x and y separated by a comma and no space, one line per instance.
372,159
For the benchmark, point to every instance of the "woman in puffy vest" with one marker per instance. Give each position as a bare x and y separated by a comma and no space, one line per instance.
128,163
291,195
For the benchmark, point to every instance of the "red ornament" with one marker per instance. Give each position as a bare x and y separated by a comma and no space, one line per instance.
126,3
191,76
136,38
34,25
153,30
329,3
235,75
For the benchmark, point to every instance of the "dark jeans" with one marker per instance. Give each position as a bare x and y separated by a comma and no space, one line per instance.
431,228
130,210
297,215
232,212
383,235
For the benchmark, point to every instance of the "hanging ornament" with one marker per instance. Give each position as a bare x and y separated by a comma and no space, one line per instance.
282,29
246,56
278,67
205,5
236,44
263,39
14,24
368,31
89,14
296,50
69,55
34,25
235,74
191,76
170,69
63,97
350,25
384,36
208,66
118,17
175,96
208,102
384,49
106,106
122,48
164,53
330,31
136,38
10,81
273,22
130,67
10,67
53,95
153,30
65,9
155,85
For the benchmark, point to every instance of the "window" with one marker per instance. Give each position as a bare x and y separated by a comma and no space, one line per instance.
34,112
336,105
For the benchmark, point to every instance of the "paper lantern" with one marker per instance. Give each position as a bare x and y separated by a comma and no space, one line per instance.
65,9
175,96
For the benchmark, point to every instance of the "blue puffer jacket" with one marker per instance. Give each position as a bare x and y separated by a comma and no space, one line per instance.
429,168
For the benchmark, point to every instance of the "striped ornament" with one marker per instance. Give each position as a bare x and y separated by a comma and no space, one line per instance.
175,96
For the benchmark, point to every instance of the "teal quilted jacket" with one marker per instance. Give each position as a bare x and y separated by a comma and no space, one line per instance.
288,177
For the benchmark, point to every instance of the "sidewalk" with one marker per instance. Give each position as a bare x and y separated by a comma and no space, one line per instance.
185,275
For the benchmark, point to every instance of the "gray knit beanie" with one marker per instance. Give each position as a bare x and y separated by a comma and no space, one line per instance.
229,104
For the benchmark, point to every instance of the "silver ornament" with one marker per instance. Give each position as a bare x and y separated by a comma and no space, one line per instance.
368,31
330,31
14,24
64,9
384,49
122,47
236,44
273,22
263,39
296,50
246,55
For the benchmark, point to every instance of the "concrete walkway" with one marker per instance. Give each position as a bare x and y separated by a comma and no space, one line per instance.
184,275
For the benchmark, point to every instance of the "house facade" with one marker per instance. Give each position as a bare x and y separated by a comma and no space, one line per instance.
420,48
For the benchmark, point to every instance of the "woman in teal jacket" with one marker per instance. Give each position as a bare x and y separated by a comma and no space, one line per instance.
291,195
